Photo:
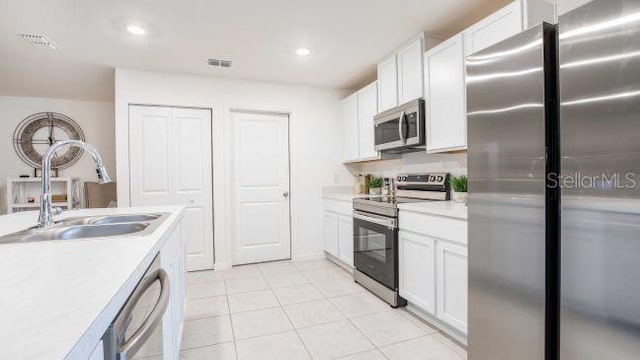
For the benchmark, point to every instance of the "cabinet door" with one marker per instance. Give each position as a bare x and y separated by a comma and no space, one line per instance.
345,239
367,109
173,262
330,224
350,128
500,25
446,120
387,83
410,72
417,270
452,284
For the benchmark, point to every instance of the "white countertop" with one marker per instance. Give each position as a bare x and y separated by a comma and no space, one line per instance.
441,208
343,196
57,298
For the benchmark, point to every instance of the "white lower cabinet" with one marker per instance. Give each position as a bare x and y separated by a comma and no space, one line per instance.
433,268
330,229
451,270
338,230
173,261
417,270
345,239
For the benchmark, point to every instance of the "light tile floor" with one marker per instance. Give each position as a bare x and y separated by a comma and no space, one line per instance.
300,310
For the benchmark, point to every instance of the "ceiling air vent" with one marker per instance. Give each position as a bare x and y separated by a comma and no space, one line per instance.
219,63
39,41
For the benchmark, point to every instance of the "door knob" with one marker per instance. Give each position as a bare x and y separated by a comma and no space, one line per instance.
285,194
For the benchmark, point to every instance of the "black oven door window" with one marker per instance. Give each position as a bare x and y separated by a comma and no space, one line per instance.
375,251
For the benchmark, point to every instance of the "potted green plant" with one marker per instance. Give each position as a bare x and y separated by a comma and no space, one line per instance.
375,185
459,186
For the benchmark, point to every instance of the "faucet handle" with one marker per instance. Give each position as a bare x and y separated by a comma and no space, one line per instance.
56,210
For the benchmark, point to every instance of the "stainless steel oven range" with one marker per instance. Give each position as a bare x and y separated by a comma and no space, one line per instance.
375,231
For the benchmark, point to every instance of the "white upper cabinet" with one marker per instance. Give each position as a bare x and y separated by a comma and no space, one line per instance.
499,26
400,75
358,111
351,146
446,118
506,22
410,71
367,109
388,83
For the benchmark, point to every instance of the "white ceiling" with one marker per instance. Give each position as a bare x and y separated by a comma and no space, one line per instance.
346,37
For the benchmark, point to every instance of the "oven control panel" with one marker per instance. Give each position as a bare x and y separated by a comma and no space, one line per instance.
437,179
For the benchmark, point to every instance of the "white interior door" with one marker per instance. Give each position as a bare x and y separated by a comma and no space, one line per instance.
170,160
260,201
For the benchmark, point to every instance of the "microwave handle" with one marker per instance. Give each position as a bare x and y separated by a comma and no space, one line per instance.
400,127
130,347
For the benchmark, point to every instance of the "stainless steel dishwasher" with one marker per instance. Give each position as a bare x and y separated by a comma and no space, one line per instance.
137,330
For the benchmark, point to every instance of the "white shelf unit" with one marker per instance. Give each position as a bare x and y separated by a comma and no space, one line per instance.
20,189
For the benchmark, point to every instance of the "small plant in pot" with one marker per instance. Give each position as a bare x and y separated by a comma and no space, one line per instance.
459,186
375,185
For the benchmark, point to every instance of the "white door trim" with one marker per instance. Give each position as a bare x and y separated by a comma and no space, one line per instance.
228,169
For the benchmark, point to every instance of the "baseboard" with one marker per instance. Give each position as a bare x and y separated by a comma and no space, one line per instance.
306,257
340,263
221,266
433,321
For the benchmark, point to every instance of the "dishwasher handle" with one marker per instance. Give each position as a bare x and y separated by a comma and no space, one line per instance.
130,347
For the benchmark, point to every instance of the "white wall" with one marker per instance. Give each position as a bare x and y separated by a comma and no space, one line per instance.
315,142
95,118
455,163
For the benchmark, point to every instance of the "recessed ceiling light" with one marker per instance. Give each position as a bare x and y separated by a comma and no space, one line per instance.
303,51
136,30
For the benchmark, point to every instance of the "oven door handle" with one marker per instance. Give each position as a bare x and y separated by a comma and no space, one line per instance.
390,223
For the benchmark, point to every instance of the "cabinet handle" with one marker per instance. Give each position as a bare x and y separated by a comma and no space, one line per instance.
285,194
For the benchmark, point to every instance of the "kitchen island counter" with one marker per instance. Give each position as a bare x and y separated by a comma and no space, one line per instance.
58,297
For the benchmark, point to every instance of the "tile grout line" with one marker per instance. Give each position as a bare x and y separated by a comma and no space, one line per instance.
233,333
407,316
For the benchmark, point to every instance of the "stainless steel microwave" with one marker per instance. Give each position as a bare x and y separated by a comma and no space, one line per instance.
401,129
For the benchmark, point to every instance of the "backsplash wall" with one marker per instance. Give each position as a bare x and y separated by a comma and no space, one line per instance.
454,163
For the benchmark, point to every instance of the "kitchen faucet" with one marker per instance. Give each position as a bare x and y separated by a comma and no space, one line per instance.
46,210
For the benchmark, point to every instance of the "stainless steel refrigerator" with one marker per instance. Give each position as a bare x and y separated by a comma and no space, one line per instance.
554,189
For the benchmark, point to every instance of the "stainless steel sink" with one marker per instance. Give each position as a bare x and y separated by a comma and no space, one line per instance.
90,227
85,231
110,219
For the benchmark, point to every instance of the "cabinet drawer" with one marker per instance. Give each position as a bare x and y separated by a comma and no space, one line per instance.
432,225
337,206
